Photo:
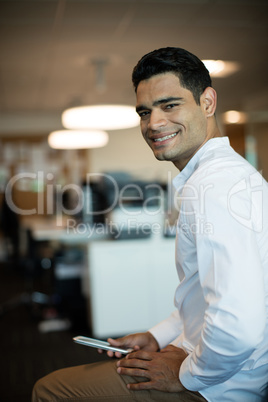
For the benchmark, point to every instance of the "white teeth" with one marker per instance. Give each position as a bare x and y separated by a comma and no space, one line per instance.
165,138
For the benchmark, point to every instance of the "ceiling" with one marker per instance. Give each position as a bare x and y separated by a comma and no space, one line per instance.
61,53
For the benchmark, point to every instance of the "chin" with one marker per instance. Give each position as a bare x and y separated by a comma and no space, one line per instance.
159,157
164,156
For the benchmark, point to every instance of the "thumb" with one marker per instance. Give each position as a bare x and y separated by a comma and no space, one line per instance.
124,342
117,342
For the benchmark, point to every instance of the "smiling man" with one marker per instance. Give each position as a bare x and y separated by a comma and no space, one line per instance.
214,346
172,123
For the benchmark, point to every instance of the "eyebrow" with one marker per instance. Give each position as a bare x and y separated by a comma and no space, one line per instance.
159,102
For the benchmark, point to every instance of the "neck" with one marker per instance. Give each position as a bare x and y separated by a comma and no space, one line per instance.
213,129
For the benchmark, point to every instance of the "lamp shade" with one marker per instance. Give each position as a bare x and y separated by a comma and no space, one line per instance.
103,117
234,117
221,68
77,139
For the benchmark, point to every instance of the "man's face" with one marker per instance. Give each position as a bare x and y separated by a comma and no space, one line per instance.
172,124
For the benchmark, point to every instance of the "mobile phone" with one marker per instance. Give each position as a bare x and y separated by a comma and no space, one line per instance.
96,343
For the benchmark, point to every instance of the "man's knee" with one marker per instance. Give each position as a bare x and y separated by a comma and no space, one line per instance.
39,393
87,381
54,386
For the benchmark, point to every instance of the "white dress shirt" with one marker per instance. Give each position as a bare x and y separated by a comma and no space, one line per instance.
221,319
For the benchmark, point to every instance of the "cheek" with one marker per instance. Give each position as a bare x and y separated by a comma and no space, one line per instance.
143,129
144,136
198,124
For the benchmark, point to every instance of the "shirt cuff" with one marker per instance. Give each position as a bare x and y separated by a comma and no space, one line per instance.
166,331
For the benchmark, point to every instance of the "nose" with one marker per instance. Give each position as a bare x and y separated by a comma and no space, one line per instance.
157,120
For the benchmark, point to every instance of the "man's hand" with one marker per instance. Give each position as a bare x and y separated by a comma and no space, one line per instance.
160,369
139,341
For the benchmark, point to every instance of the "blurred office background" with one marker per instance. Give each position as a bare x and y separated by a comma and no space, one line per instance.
63,269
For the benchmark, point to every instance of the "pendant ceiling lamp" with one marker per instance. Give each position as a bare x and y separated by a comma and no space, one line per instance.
221,68
77,139
102,117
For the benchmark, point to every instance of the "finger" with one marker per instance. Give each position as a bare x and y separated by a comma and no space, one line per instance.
140,354
168,348
133,372
117,342
133,363
140,385
110,353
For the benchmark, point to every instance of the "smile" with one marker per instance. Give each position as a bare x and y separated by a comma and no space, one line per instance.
167,137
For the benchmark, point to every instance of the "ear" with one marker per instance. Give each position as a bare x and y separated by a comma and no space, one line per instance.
208,101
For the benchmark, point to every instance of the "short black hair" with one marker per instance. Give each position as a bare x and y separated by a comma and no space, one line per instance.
190,70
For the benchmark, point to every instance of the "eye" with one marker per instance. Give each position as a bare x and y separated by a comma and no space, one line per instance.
143,113
171,105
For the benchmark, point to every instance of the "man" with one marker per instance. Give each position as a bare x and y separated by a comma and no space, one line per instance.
215,346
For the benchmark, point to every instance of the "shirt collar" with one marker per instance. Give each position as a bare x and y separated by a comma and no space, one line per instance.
193,163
